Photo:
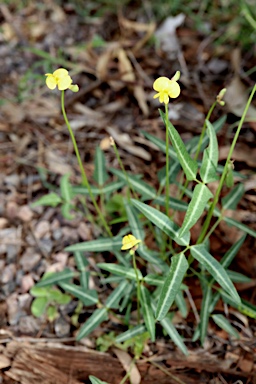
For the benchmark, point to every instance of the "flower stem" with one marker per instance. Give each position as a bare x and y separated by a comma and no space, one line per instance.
223,176
83,174
167,186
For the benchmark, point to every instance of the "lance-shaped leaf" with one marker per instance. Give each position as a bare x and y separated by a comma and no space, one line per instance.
174,335
56,277
200,253
172,283
119,270
205,312
99,245
146,190
100,174
208,171
130,333
134,221
231,200
107,189
87,296
189,165
163,222
200,197
98,316
223,323
147,312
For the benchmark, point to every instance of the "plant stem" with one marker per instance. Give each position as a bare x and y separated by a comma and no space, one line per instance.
167,186
83,174
223,176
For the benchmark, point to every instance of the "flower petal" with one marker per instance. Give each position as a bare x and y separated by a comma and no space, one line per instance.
129,241
64,83
61,72
161,83
50,81
173,89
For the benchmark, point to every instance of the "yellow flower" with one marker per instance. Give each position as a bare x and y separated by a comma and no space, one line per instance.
61,79
166,88
129,241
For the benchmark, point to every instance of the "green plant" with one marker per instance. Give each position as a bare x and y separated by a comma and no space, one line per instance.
150,282
47,300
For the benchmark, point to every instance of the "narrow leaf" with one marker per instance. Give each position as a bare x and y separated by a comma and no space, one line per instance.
172,283
223,323
200,197
66,189
87,296
98,316
106,189
57,277
115,297
205,312
132,332
215,269
99,245
174,335
146,190
51,200
100,174
119,270
147,312
162,221
208,171
95,380
188,164
231,200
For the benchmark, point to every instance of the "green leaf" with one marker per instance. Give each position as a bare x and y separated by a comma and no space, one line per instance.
82,265
152,279
134,222
87,296
98,316
152,257
244,307
175,204
181,304
115,297
237,277
174,335
66,188
39,292
52,313
106,190
205,312
147,312
38,306
100,174
65,211
130,333
116,269
208,171
51,200
189,165
232,252
200,253
172,283
144,189
200,197
99,245
57,277
162,221
231,200
94,380
224,324
235,223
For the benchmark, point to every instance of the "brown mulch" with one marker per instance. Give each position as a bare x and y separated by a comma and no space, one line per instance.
114,61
